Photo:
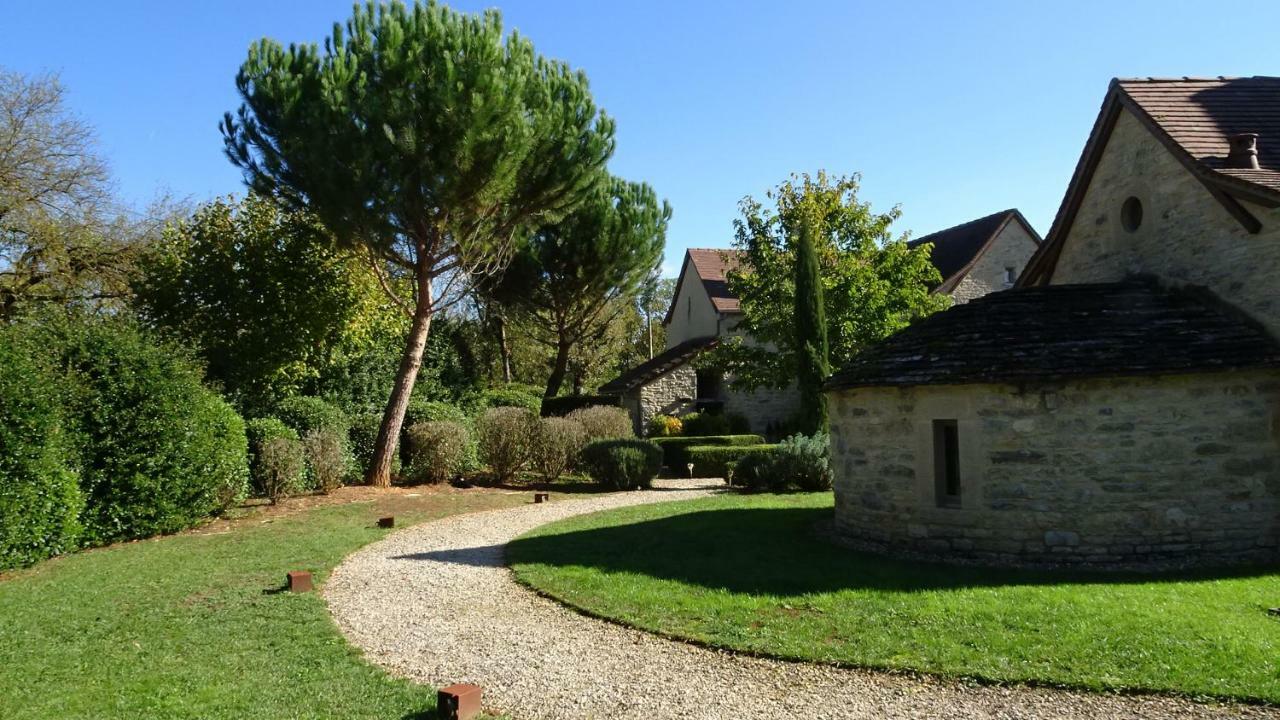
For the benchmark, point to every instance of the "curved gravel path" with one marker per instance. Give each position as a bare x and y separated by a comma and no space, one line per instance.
435,603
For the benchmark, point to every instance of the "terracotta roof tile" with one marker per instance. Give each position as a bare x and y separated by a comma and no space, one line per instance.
1055,332
712,264
1200,113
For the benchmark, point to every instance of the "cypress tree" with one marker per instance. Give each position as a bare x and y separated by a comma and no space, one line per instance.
811,333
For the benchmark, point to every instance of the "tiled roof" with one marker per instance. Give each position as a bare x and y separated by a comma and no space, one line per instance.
1066,331
658,365
712,264
1192,118
955,248
1200,113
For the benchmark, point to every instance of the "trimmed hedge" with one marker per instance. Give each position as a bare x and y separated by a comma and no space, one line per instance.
512,396
712,461
40,499
622,464
565,404
260,431
673,448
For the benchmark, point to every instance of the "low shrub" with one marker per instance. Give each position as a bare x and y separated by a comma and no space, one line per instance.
755,472
304,413
602,422
673,449
665,426
565,404
281,465
504,436
361,439
40,499
512,396
706,423
804,462
622,464
260,431
328,460
716,461
555,446
437,450
738,423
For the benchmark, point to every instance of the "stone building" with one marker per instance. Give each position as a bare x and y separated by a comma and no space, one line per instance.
1121,406
981,256
974,258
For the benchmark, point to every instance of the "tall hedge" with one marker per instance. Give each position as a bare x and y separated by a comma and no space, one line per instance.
40,499
157,450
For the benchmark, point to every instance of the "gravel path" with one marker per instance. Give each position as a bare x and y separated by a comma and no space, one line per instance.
436,604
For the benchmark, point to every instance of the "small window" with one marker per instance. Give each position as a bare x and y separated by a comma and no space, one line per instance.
1010,275
946,462
1131,214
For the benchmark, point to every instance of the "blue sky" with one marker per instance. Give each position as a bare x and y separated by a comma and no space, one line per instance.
951,109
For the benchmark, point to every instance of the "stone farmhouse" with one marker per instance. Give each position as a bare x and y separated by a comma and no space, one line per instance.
1121,406
975,258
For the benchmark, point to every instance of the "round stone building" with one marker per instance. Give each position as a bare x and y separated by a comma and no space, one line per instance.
1120,424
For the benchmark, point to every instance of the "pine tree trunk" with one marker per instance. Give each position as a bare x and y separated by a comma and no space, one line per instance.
379,471
559,370
504,350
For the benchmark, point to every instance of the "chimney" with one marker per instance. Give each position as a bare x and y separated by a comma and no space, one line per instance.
1244,151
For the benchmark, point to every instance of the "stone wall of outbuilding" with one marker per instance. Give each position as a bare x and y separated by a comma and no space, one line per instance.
669,394
1011,249
765,408
1143,472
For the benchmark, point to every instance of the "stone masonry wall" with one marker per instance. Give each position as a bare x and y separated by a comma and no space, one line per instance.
765,407
1185,234
1146,472
669,394
1011,249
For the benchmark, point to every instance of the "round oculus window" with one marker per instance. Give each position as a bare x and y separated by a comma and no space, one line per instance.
1131,214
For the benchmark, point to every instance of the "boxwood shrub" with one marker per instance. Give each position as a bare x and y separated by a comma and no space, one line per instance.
622,463
673,448
40,499
712,461
259,432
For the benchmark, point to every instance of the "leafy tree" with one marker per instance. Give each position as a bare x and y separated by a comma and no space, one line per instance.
574,277
426,140
872,283
810,331
264,295
61,242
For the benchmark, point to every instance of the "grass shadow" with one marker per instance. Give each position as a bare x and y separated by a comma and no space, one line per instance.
774,551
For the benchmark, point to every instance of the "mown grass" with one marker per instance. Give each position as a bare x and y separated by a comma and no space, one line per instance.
194,626
748,573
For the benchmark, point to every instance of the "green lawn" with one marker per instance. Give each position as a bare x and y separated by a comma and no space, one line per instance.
748,573
193,626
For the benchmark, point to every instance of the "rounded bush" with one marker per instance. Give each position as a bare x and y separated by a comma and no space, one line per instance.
361,438
40,499
665,426
755,472
556,445
622,464
603,422
307,414
804,462
329,461
513,396
260,431
706,423
158,451
504,436
437,450
281,465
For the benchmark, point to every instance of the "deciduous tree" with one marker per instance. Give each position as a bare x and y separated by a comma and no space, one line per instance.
426,139
873,284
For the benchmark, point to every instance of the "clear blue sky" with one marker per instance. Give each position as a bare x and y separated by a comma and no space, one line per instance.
951,109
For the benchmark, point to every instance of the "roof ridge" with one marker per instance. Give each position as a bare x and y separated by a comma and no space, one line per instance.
998,213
